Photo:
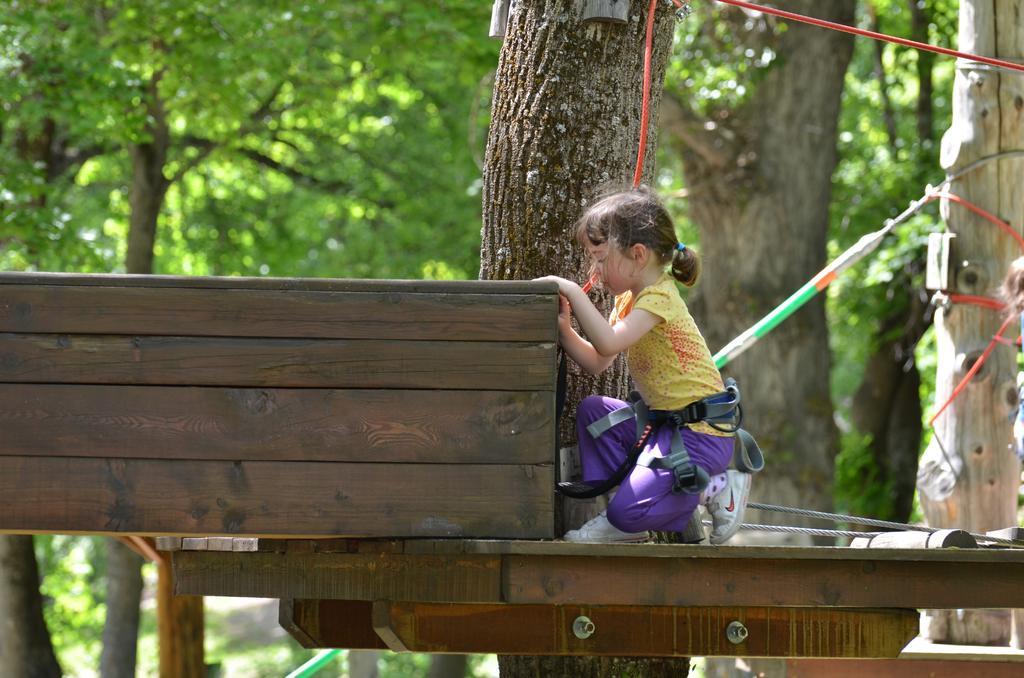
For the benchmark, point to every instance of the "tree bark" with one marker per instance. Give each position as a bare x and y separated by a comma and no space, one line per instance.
888,114
25,648
149,185
121,627
447,666
920,18
969,475
363,663
887,404
760,187
565,125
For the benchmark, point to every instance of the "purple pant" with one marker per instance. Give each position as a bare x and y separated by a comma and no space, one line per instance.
644,500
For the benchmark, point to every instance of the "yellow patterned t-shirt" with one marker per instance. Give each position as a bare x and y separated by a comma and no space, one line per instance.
671,365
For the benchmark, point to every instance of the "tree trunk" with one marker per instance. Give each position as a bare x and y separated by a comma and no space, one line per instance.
149,185
25,648
565,125
447,666
363,663
920,18
887,404
969,476
760,186
121,627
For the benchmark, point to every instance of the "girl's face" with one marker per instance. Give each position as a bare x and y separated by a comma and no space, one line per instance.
613,269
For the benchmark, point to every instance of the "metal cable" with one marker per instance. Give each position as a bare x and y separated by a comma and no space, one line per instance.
812,531
873,522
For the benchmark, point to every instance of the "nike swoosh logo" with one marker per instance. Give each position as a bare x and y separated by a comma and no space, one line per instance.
732,503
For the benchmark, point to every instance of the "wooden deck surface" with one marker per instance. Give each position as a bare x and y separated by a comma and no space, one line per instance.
524,597
561,573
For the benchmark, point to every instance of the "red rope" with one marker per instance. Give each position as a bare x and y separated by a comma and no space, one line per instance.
984,302
974,368
980,212
871,34
645,107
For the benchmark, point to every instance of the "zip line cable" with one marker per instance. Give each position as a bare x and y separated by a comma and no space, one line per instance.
844,28
863,247
873,522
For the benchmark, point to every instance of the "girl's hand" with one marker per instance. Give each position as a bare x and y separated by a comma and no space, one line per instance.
565,287
564,314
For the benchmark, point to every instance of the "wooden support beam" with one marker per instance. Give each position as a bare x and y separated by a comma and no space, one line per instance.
618,630
783,581
385,625
670,575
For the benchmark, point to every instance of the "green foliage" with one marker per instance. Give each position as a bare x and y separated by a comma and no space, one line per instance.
73,594
859,488
312,139
720,55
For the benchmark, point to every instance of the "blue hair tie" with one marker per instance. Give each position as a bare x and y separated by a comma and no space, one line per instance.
680,247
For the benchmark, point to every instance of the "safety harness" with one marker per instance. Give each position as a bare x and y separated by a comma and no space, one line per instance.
720,411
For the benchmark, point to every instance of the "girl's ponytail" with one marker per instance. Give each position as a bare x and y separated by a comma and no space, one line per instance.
685,265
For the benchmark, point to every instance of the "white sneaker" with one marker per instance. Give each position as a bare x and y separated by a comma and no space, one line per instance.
600,530
727,507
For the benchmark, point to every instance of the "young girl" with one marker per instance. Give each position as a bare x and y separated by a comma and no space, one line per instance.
631,240
1013,294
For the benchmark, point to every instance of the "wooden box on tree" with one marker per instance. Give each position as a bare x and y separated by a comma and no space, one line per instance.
287,407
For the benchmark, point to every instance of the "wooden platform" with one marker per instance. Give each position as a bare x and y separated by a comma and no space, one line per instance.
227,406
516,597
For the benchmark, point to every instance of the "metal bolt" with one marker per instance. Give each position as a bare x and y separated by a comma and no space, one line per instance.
684,11
583,628
736,632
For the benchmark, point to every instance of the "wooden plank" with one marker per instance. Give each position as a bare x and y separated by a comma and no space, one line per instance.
685,552
156,497
659,581
481,427
620,630
169,543
68,309
384,625
288,284
290,363
294,622
867,579
357,576
350,624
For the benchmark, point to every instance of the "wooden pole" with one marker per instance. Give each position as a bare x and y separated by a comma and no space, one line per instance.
179,628
968,476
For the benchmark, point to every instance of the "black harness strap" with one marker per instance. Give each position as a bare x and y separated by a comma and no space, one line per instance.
721,411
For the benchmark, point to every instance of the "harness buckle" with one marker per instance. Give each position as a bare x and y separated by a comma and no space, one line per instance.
687,477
